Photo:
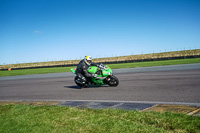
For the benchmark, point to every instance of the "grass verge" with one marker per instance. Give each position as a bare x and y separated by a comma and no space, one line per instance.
112,66
29,118
155,63
185,53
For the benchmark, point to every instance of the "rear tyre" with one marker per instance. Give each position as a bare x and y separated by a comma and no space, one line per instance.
79,82
112,81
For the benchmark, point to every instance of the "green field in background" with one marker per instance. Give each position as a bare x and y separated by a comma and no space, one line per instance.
112,66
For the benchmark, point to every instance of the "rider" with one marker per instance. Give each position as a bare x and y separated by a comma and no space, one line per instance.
82,69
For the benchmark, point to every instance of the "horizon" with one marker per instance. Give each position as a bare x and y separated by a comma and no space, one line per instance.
101,57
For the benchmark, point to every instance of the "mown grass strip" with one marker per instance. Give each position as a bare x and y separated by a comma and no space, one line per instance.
34,71
112,66
29,118
155,63
185,53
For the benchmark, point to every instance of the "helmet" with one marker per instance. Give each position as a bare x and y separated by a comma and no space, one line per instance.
88,60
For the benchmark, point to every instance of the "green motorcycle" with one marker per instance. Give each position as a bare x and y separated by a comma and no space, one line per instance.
105,76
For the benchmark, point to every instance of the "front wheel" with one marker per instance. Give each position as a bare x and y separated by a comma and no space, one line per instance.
112,81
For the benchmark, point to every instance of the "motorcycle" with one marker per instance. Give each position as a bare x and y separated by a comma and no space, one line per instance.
104,77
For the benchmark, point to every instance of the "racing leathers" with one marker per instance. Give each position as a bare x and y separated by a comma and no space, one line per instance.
82,71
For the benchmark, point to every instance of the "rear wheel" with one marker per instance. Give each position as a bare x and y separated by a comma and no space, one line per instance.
79,82
112,81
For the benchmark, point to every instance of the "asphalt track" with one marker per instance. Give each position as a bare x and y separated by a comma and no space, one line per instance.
177,84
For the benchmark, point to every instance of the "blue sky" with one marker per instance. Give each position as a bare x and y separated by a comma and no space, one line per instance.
53,30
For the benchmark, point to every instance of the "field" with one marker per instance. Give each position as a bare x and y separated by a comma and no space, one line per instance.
109,59
53,119
112,66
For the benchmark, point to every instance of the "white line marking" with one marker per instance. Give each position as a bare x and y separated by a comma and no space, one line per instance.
142,102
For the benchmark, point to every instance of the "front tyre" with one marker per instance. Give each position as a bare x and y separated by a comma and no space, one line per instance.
112,81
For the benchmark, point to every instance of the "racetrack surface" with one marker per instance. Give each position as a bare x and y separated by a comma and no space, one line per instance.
167,84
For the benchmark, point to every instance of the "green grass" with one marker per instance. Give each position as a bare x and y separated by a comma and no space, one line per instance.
112,66
34,71
185,53
155,63
56,119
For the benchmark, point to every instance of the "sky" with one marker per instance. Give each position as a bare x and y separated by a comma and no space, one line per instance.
55,30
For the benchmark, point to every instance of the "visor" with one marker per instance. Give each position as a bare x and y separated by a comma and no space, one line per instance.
89,61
